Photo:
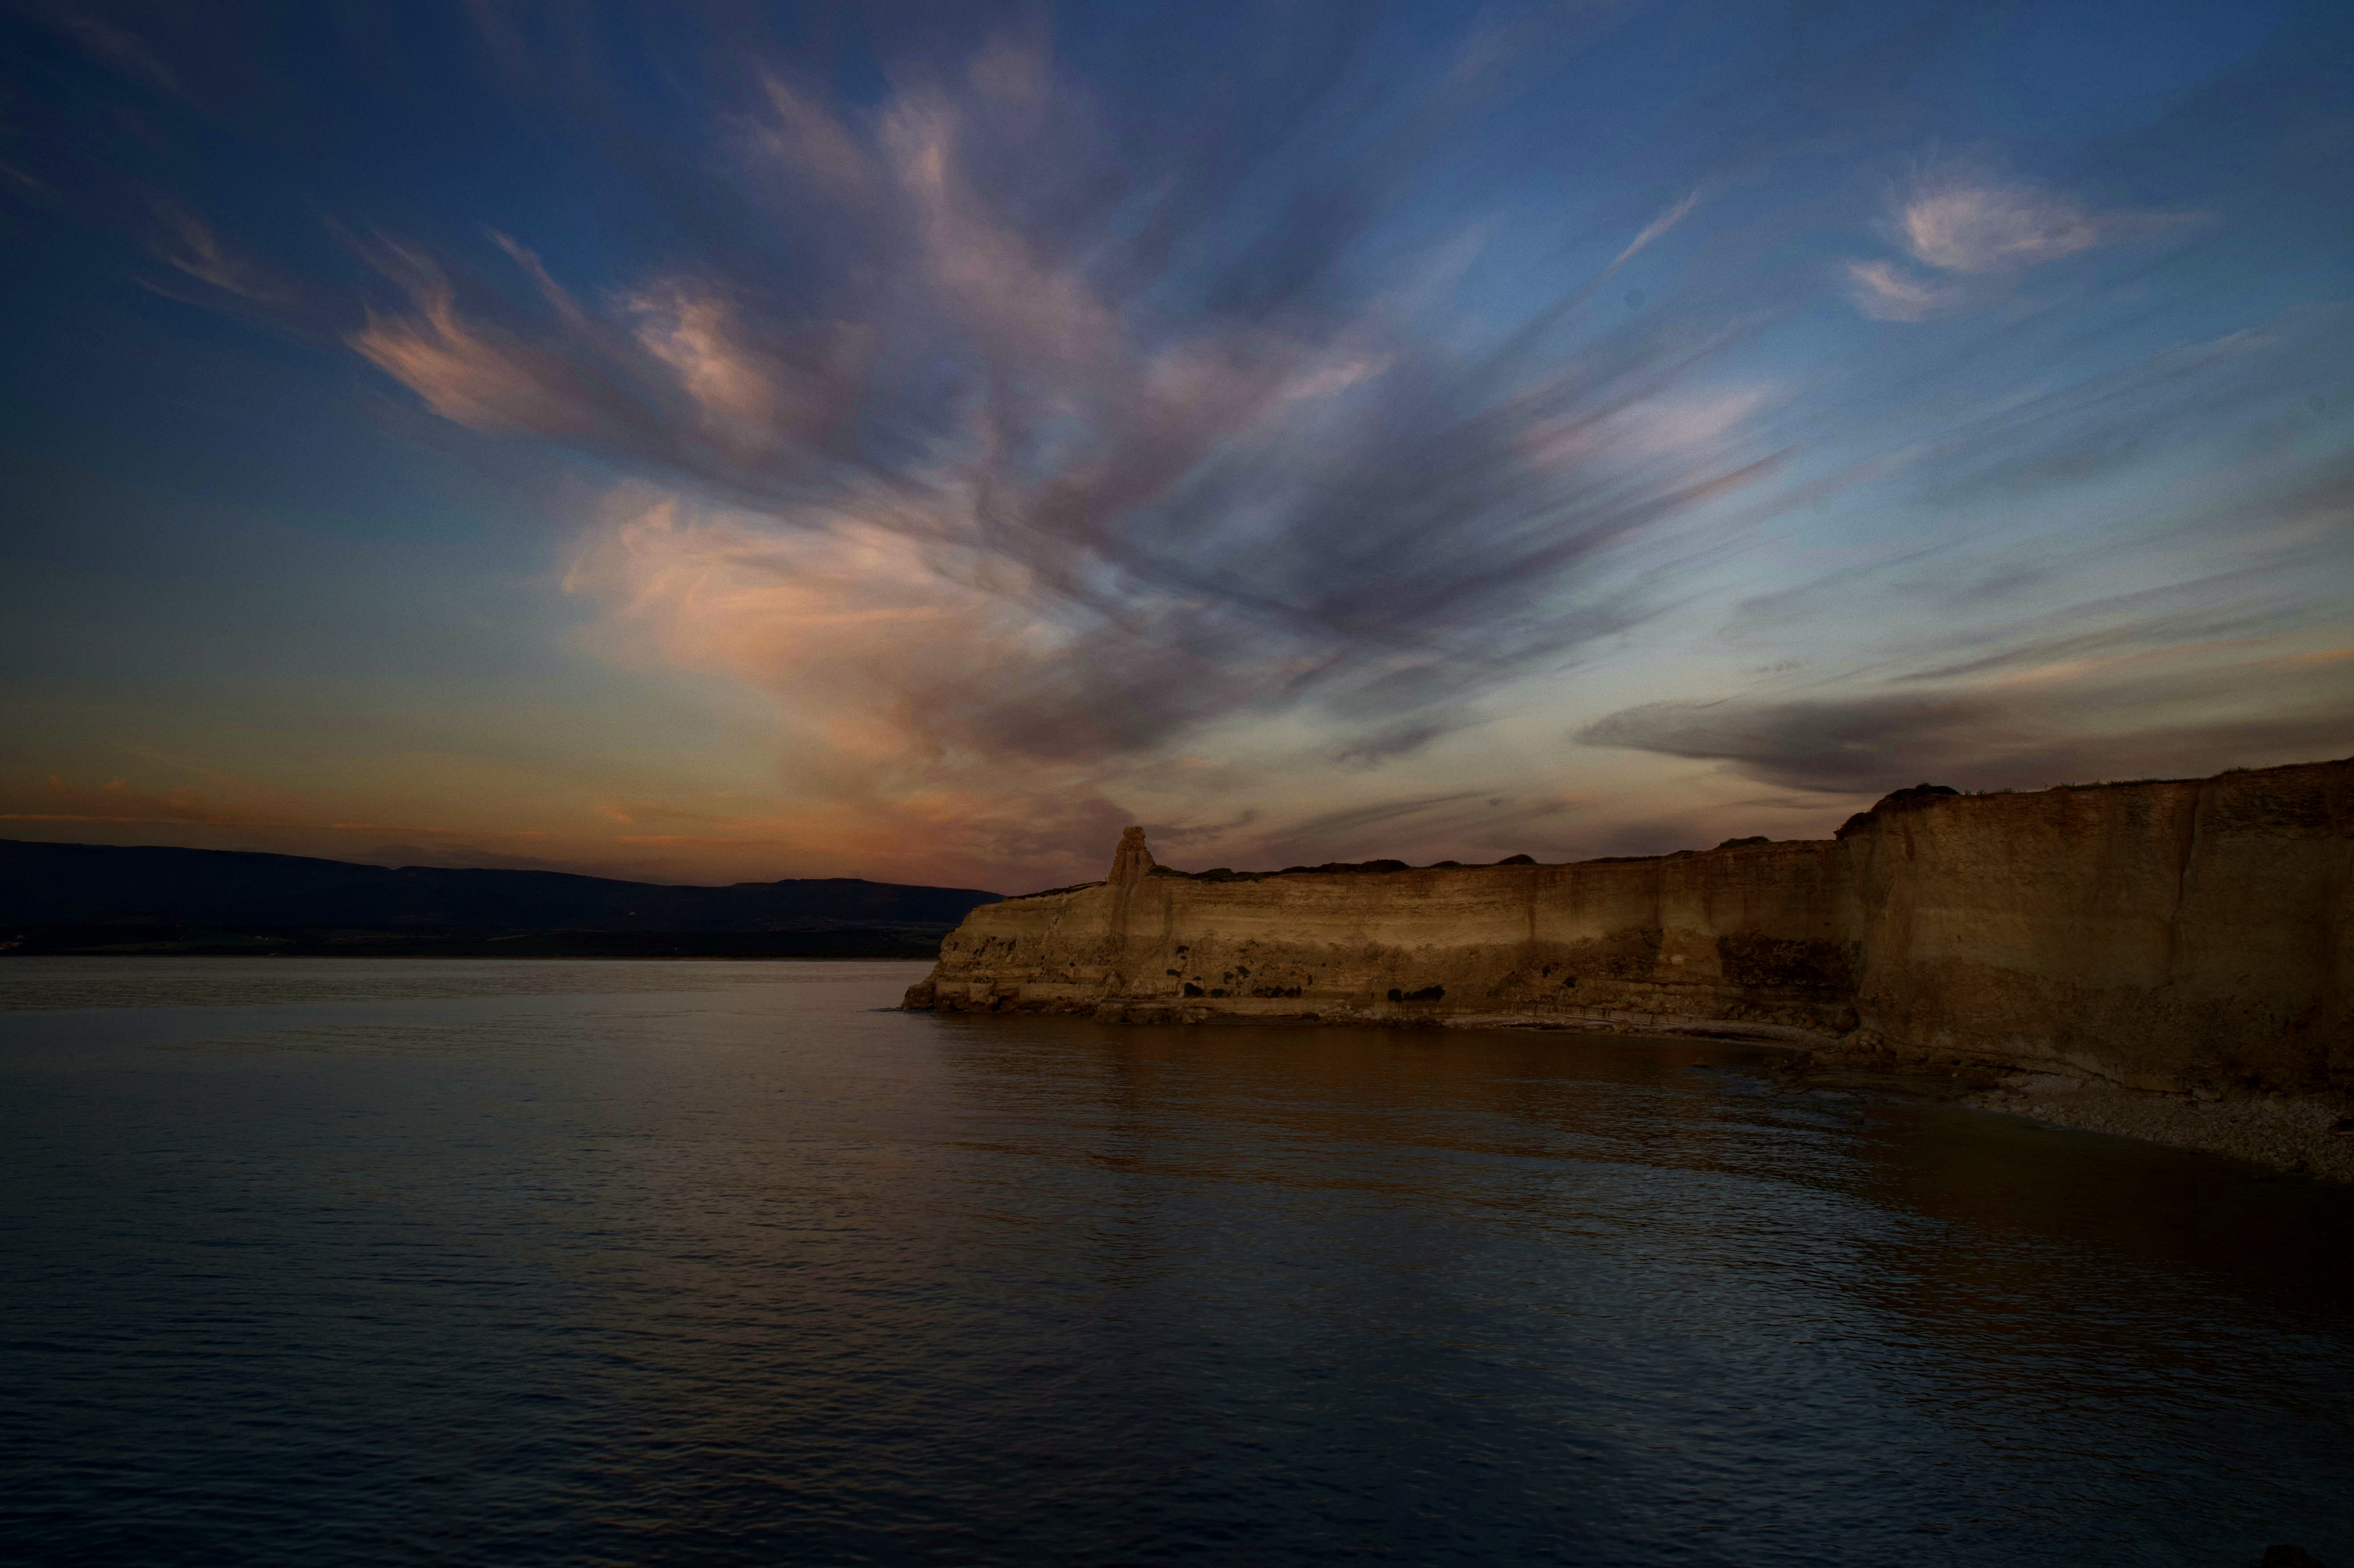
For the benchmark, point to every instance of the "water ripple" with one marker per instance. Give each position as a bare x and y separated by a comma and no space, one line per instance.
377,1262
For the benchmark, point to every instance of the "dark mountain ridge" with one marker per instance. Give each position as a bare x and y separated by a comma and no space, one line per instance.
107,884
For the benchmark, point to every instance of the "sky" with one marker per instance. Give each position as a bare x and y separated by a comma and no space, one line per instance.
720,442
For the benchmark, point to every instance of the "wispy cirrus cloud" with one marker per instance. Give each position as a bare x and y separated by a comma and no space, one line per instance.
2070,725
1963,224
119,47
2023,667
1131,521
1886,292
197,250
2216,642
1975,230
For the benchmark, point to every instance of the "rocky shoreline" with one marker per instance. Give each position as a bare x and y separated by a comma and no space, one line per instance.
2297,1134
2311,1135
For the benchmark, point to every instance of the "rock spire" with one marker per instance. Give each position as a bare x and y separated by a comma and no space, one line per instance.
1131,863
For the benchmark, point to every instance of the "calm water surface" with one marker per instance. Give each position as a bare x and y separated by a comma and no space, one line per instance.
327,1263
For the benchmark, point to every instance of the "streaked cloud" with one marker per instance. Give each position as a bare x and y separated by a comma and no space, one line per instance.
1886,292
1963,226
1974,232
119,47
197,250
2069,724
1105,524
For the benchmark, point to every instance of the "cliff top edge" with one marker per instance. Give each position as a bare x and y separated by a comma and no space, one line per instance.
1132,861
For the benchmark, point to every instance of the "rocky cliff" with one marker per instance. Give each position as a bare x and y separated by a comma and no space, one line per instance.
2179,937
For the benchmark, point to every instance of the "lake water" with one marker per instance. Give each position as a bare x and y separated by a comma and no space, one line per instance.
327,1263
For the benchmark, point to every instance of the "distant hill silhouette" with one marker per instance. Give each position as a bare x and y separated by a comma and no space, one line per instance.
211,895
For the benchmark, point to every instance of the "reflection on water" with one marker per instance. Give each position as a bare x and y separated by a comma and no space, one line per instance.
505,1264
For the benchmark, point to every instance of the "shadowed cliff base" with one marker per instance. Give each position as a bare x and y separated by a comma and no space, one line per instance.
2166,959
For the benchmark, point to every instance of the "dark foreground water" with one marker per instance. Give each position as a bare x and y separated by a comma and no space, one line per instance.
327,1263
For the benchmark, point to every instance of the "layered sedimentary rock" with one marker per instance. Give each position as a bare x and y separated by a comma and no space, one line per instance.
2176,936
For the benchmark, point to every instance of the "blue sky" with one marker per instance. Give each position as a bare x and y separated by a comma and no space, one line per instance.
716,442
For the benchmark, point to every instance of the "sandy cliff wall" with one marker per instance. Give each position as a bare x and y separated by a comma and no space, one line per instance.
2160,936
2164,936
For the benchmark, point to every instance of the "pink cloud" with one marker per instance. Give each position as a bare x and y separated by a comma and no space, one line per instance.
1980,230
1886,292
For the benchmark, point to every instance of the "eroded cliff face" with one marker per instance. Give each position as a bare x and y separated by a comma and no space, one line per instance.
2171,937
2161,936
